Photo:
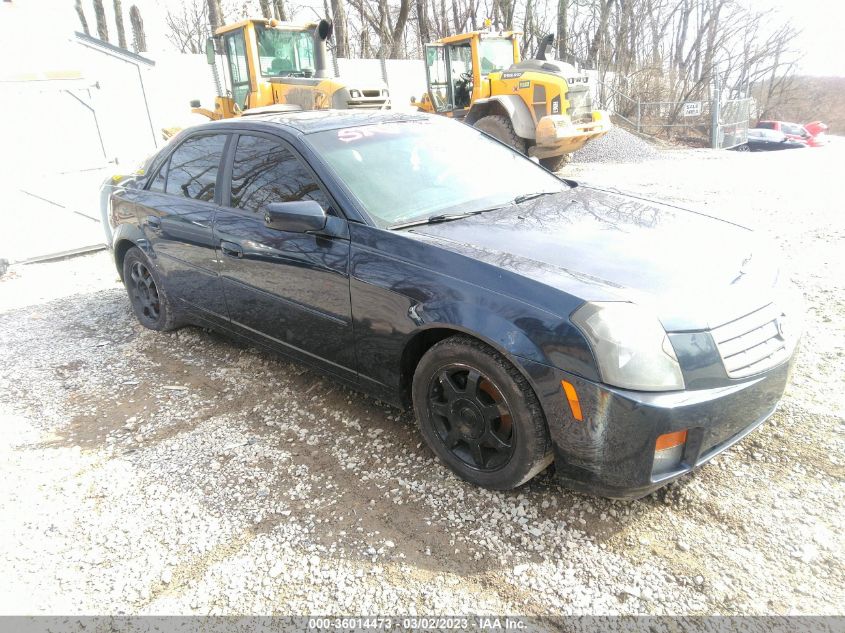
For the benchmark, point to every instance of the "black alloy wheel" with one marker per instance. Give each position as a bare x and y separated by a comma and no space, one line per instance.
478,414
143,291
471,417
147,295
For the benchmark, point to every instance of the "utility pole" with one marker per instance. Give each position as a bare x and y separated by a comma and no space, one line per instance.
715,112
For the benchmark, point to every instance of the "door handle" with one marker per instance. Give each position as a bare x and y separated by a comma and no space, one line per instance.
153,221
231,249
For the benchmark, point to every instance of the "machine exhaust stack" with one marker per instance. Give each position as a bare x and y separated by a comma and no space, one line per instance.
545,50
321,54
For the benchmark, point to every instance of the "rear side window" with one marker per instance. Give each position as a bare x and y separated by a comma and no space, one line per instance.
194,166
265,171
768,125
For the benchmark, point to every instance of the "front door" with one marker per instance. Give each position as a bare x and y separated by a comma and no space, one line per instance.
238,67
289,290
437,76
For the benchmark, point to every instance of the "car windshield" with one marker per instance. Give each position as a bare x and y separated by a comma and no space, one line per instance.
403,171
285,53
495,54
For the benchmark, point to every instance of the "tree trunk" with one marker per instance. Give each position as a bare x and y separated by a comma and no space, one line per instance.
398,28
118,17
214,16
102,25
139,38
281,12
341,29
592,54
81,13
422,22
562,26
266,9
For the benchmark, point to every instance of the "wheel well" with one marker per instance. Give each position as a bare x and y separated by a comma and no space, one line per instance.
120,250
485,109
414,350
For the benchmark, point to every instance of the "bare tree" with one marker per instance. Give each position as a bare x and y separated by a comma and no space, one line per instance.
215,14
100,16
188,26
266,9
118,17
81,13
139,38
341,33
562,26
279,7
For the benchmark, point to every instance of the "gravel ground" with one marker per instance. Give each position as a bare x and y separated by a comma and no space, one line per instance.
617,146
146,473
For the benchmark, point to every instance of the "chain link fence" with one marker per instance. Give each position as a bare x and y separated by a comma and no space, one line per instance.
710,122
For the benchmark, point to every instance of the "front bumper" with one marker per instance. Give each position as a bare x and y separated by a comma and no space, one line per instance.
611,452
556,134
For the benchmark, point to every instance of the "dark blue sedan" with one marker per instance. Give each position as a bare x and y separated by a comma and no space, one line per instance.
528,320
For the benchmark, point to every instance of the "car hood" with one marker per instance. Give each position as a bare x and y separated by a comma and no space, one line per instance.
693,270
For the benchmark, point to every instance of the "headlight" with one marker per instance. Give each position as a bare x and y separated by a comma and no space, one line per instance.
354,94
630,345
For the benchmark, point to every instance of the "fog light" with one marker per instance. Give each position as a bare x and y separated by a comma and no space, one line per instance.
668,452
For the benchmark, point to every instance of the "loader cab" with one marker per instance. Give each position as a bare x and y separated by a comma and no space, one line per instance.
457,68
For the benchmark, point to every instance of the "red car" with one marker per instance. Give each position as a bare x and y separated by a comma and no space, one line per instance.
798,132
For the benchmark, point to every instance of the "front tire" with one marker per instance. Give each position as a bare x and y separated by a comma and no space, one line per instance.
479,415
555,163
501,128
149,300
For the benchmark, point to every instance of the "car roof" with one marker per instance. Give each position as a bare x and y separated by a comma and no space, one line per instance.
308,122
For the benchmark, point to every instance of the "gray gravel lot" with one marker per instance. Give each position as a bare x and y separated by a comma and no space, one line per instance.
146,473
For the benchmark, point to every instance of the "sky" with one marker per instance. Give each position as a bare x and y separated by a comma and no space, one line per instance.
821,24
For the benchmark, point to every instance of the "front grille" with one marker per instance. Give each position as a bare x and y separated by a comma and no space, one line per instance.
369,104
753,343
371,93
580,102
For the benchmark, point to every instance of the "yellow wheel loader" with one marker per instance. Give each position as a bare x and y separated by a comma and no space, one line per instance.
275,65
541,107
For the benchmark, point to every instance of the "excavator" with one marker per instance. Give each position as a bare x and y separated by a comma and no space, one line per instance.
541,107
272,65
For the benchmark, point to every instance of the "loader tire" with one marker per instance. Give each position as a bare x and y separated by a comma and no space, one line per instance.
501,128
554,163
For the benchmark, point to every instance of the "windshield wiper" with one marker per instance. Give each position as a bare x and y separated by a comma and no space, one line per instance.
436,219
530,196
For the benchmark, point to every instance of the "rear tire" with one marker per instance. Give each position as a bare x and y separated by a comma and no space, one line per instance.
501,128
479,415
149,299
743,148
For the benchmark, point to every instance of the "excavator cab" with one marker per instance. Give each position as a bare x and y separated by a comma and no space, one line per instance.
457,66
540,106
267,63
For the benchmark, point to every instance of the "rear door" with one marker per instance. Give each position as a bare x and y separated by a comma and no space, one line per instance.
176,217
289,290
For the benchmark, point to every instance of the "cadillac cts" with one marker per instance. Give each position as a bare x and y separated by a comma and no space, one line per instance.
527,319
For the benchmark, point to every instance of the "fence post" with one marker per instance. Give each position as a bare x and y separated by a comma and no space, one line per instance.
639,114
715,114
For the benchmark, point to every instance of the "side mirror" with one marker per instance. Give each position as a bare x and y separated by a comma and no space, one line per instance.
300,216
210,54
195,103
